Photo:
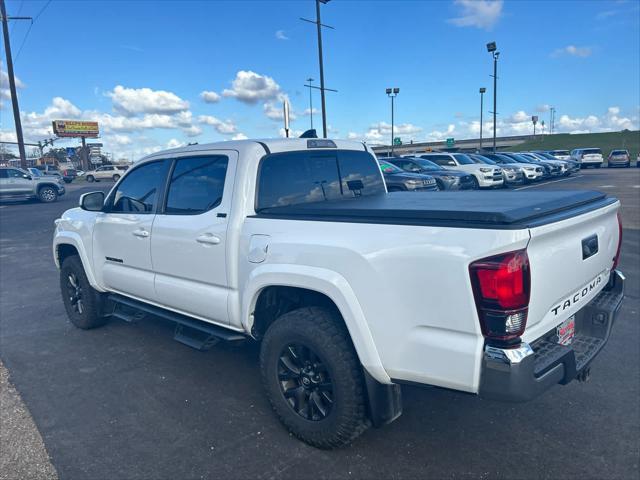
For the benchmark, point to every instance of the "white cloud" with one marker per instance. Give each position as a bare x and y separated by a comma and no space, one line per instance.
478,13
174,143
281,36
308,111
4,78
210,97
239,136
192,131
134,101
120,139
224,127
292,133
251,87
573,51
436,135
543,108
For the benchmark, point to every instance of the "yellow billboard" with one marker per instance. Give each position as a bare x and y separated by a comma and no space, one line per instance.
75,128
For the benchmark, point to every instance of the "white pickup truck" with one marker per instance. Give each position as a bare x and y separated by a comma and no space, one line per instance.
352,291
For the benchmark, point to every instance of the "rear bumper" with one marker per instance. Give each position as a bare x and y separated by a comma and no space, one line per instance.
521,374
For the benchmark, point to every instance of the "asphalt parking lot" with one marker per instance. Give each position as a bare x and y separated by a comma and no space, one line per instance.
126,401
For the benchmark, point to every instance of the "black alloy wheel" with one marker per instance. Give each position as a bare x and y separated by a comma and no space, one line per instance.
305,382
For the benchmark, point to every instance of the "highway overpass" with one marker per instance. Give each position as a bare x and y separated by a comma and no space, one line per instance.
469,145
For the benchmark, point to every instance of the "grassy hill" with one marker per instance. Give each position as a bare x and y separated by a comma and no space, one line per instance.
627,139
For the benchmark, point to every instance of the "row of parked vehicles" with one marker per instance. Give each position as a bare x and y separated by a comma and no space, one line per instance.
470,171
592,157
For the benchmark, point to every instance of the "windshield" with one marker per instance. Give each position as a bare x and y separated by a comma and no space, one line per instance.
35,172
560,152
548,156
592,151
388,168
521,159
463,159
427,164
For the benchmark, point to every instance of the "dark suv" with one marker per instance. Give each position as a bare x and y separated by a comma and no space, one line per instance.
398,180
446,179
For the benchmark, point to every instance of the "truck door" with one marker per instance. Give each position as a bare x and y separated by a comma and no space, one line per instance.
189,238
122,233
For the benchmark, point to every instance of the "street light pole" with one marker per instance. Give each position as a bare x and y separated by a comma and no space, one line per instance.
482,90
392,93
491,48
324,113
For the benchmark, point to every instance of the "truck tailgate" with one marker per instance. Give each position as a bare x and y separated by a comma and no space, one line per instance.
571,261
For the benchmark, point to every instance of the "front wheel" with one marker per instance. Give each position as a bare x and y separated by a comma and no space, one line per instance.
474,181
90,178
81,301
313,378
47,194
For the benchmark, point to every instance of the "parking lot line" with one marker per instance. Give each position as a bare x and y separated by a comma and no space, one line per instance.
547,183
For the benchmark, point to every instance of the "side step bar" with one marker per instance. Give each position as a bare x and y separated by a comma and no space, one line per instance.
189,331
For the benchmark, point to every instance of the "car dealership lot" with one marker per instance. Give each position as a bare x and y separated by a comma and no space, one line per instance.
128,401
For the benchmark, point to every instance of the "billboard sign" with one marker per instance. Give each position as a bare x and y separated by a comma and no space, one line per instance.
75,128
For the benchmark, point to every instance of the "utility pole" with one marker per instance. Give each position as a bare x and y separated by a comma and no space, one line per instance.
552,114
322,88
12,82
482,91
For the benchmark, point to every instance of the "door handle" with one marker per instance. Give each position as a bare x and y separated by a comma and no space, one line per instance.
208,238
141,233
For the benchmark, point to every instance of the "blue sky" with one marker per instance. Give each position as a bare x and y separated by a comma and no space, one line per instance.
140,68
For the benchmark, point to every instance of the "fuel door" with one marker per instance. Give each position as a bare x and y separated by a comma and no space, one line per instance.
258,248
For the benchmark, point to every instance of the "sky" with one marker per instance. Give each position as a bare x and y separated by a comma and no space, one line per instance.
158,74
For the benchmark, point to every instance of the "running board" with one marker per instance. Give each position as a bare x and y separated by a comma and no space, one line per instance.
189,331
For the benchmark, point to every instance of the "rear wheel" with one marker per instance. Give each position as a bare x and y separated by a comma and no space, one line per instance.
81,301
90,178
67,180
47,194
313,378
116,177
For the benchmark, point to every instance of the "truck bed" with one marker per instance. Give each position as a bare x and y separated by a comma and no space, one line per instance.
495,210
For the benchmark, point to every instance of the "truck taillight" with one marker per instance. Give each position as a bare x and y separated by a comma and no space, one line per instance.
616,259
501,288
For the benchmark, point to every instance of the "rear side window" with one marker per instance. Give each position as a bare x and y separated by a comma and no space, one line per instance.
293,178
196,185
138,191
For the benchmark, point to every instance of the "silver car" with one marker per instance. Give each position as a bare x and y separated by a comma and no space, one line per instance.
19,184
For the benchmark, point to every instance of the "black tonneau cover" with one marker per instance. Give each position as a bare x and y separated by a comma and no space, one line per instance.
475,209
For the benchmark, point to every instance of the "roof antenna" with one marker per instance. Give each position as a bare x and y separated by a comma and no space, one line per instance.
311,133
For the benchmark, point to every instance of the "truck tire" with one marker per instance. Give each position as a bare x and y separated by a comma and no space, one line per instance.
82,302
90,178
116,177
47,194
313,378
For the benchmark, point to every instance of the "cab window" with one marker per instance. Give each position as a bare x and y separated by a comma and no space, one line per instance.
138,191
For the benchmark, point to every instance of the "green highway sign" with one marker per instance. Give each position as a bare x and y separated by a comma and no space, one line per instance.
397,141
451,142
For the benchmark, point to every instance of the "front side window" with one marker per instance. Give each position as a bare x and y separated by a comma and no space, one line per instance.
11,173
196,185
138,191
292,178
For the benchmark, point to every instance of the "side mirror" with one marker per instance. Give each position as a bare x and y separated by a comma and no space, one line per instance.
451,163
92,201
28,177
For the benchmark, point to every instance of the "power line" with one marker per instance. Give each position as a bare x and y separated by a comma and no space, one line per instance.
26,35
42,10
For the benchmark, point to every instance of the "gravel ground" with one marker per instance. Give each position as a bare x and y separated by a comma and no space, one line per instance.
22,453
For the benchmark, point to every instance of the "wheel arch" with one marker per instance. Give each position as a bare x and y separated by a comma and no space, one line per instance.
317,285
70,244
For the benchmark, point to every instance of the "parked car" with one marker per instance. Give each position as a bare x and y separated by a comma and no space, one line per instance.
483,176
398,180
588,157
560,154
638,160
294,243
532,171
446,179
511,174
619,158
559,167
106,172
574,166
547,169
69,174
17,183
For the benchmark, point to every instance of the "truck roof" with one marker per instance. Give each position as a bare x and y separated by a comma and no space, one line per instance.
269,145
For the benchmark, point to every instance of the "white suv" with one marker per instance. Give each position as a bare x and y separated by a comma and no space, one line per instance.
106,172
588,157
485,176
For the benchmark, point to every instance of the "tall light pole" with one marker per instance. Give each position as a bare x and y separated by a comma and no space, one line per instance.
492,49
482,90
322,88
552,117
310,85
392,93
